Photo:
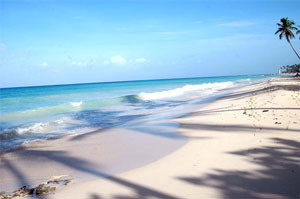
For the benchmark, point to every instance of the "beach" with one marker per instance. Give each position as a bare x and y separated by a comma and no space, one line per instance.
245,144
163,99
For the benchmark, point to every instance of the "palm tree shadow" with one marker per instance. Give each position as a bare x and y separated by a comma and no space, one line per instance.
13,169
278,178
94,196
137,122
85,166
229,128
262,90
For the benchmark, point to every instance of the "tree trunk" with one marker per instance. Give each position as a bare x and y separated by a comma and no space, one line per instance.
294,49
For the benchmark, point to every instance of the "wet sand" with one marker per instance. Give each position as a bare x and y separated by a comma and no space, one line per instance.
87,156
244,145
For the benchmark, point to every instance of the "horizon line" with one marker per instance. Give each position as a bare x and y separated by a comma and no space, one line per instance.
137,80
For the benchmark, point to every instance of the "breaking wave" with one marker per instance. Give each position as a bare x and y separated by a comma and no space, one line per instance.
37,128
207,88
76,104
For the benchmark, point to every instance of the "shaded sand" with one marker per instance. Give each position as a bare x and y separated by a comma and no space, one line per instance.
245,145
88,156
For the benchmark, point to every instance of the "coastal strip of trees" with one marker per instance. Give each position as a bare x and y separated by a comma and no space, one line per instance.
291,69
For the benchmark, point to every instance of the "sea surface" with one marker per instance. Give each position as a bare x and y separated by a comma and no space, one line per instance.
43,112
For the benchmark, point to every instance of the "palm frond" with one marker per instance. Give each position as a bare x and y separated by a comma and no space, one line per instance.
279,30
290,23
293,28
290,34
287,37
283,20
286,28
281,35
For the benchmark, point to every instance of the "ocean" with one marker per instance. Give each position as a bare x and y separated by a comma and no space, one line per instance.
43,112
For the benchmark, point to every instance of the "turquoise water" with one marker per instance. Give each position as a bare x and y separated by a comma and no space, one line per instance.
31,113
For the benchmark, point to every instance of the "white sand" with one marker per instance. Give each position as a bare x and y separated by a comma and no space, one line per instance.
245,145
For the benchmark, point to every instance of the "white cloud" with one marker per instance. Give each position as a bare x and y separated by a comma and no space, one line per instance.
140,60
44,64
118,60
238,24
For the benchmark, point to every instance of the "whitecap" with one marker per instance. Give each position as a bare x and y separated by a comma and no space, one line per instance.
76,104
39,128
206,88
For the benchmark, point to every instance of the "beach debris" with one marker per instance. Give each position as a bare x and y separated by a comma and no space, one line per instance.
42,189
3,195
21,192
277,122
265,111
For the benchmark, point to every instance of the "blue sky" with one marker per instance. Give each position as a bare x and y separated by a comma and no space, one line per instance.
59,42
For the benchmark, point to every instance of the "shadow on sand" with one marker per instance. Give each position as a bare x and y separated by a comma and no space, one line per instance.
62,157
279,176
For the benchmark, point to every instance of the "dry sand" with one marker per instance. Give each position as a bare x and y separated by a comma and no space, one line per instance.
245,145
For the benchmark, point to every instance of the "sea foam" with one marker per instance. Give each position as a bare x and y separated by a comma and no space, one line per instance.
38,128
76,104
206,88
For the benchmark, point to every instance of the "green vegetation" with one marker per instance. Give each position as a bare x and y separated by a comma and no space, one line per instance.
291,69
285,29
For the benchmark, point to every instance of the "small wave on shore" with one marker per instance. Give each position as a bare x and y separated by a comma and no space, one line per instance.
37,128
76,104
206,88
18,135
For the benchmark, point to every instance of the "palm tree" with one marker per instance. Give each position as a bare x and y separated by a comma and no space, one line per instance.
298,31
285,29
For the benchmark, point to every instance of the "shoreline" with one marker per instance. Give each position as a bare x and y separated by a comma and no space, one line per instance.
244,145
84,157
61,125
81,166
